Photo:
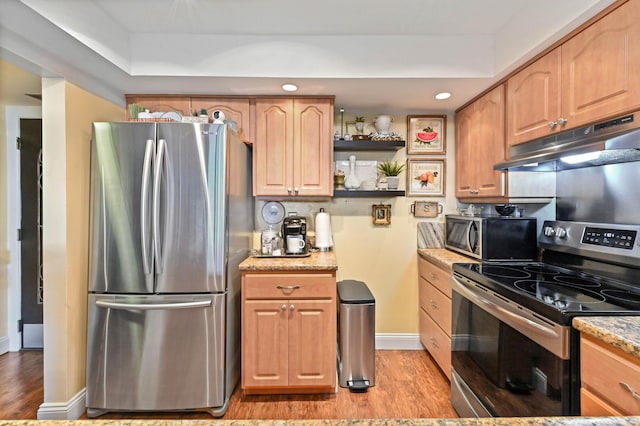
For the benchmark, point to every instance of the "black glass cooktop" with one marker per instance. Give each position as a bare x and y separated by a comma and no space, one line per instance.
554,292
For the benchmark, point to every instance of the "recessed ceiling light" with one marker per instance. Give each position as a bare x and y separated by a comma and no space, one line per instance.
288,87
443,95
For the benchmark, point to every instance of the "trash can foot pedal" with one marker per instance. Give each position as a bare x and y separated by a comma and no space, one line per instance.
358,385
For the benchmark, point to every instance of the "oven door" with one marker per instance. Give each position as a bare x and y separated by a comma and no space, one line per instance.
506,360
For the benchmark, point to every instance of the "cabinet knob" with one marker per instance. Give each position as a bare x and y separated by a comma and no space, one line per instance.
292,307
296,190
562,121
283,307
552,124
289,191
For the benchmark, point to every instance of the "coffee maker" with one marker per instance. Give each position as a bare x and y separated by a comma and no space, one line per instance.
294,234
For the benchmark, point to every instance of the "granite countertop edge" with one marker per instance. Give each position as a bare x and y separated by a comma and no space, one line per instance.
497,421
622,332
444,257
317,261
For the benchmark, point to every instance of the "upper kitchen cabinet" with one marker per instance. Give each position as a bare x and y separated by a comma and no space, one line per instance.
479,145
293,148
533,100
164,103
601,68
592,76
236,109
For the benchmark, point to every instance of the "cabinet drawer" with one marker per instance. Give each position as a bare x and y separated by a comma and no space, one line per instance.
289,286
607,371
437,342
439,308
437,276
591,405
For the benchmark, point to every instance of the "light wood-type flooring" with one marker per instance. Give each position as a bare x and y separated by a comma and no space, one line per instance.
408,385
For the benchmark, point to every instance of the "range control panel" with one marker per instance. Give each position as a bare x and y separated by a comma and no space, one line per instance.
617,238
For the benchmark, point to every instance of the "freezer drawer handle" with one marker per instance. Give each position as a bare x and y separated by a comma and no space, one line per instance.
153,306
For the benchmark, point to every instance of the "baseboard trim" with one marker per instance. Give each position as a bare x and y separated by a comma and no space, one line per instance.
70,410
398,341
4,344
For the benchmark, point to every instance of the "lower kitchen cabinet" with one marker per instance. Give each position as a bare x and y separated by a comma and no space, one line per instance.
289,332
435,312
610,380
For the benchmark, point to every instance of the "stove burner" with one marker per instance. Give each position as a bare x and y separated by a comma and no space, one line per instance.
577,281
504,272
540,269
559,295
622,295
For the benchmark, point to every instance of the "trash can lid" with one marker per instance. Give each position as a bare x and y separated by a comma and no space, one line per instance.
352,291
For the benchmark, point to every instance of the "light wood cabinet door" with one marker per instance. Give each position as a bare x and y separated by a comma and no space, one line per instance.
293,147
312,343
601,68
533,100
479,145
265,340
609,375
236,109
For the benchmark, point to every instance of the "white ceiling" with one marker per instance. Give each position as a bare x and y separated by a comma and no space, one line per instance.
373,55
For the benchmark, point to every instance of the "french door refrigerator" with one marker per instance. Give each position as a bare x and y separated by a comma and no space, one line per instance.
171,219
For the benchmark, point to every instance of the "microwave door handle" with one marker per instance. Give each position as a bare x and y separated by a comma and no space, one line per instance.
472,228
501,312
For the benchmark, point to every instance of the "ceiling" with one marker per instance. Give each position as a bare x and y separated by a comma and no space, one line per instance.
373,55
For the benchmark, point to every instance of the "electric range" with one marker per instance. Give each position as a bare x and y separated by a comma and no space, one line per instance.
514,351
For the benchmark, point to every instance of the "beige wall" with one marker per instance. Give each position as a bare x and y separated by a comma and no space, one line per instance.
67,116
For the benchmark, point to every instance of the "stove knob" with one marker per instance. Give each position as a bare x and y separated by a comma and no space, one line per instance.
549,231
561,232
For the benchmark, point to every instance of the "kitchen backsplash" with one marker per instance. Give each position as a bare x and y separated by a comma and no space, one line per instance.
430,235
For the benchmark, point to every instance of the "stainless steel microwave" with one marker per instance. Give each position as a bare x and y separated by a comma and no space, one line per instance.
492,238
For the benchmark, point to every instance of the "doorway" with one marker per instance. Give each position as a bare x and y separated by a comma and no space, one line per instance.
30,233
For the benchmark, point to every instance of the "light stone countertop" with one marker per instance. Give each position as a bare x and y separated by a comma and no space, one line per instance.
317,261
444,257
498,421
622,332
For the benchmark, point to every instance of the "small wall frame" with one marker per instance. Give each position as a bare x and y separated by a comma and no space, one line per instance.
381,214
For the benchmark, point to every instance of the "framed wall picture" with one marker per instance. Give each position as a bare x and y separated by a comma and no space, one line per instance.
381,214
425,177
426,134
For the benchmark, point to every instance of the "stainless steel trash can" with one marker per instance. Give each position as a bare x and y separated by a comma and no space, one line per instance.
356,336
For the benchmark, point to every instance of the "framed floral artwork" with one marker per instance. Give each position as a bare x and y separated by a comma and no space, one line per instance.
425,177
426,134
381,214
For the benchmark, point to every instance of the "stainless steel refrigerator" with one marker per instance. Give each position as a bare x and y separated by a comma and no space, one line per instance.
171,219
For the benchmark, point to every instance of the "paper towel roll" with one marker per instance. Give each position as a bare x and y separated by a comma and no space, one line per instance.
324,241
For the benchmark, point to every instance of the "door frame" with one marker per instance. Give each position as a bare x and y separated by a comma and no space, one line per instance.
14,114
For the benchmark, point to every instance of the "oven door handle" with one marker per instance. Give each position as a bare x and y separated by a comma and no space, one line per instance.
501,312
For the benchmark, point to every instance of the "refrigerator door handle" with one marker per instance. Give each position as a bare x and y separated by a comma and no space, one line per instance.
144,209
153,306
157,241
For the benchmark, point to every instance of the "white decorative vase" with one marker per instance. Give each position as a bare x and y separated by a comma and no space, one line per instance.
383,123
351,182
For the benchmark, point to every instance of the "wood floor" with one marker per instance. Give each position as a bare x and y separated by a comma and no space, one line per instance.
408,385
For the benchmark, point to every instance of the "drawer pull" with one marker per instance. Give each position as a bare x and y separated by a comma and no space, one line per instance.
434,305
629,389
434,343
288,287
434,276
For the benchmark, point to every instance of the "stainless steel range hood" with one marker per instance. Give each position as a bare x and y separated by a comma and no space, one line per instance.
607,142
